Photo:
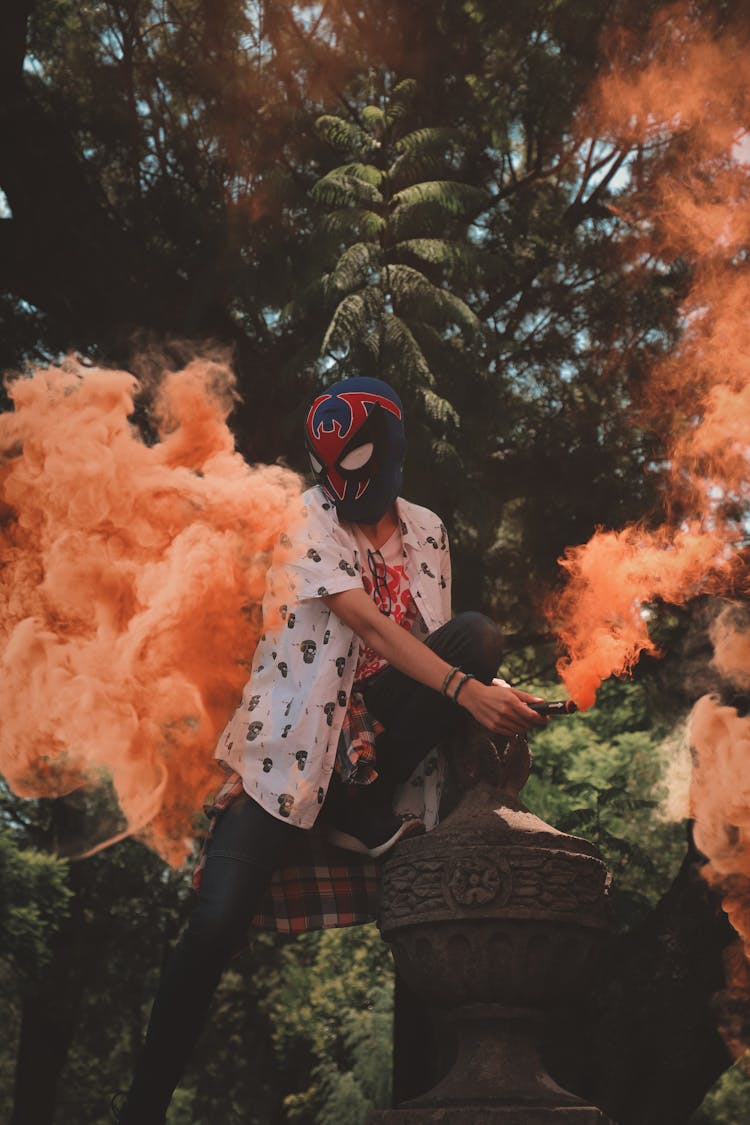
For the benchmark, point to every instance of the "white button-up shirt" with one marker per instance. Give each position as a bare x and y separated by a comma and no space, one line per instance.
282,738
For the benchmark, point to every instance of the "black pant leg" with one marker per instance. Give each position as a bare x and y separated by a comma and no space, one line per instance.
414,716
246,849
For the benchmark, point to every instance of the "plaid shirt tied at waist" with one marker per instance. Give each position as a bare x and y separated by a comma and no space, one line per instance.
319,885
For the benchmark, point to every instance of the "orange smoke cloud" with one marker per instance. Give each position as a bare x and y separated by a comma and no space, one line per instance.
132,581
719,802
687,104
603,619
721,806
730,635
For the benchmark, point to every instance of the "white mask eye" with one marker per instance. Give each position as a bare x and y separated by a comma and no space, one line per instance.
358,457
316,465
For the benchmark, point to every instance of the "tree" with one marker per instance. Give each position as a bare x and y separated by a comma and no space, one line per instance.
35,902
158,163
396,241
331,1004
104,919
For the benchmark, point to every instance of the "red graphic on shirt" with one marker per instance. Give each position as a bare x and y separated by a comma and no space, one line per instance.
389,589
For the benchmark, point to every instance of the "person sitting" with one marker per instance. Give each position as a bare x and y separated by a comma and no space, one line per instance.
360,673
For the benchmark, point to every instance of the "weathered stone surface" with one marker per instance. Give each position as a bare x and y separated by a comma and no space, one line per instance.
494,917
491,1115
525,883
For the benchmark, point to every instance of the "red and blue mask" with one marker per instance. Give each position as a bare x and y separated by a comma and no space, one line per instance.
356,441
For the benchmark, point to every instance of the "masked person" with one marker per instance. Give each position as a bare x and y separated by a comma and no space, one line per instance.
362,674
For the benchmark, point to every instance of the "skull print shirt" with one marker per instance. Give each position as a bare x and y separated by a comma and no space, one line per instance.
282,738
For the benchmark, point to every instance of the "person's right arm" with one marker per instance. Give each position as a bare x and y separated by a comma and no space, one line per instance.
500,708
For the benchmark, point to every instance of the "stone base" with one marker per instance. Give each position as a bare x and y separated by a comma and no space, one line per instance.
491,1115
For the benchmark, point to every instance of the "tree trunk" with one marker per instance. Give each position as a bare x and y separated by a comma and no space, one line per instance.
51,1004
48,1024
49,1020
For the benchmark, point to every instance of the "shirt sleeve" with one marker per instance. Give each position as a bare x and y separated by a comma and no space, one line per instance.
322,559
445,573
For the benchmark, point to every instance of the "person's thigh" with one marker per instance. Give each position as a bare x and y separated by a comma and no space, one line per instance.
247,846
469,641
245,831
414,716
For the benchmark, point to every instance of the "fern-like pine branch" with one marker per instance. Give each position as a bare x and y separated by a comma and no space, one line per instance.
398,338
350,319
411,288
345,136
354,267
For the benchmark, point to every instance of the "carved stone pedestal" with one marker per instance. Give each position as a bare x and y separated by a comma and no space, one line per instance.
498,1059
490,1115
494,917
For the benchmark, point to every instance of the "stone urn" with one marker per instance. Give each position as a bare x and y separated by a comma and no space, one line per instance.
493,919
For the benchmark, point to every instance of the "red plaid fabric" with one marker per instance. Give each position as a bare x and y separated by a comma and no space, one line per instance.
355,754
319,885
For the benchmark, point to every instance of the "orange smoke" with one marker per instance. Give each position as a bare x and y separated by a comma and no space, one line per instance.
688,107
720,806
719,802
132,581
604,618
685,105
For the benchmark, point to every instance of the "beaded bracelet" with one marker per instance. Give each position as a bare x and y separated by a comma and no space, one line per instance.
448,677
461,682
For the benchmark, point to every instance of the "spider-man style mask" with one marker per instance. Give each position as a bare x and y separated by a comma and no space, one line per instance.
356,441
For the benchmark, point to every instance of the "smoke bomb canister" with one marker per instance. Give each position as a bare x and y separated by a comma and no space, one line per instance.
554,707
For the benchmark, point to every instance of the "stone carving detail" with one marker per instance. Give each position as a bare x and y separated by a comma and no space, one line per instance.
420,882
504,962
475,881
559,884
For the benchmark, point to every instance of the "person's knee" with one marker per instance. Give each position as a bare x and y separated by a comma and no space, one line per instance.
483,642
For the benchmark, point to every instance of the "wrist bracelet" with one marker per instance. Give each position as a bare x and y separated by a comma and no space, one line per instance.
461,682
448,677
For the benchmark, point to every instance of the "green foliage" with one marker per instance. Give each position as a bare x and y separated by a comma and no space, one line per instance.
331,1005
345,137
600,775
401,101
353,221
729,1101
441,252
448,199
353,317
354,267
83,937
34,899
345,187
399,339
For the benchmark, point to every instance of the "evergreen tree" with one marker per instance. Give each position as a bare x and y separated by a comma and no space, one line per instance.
158,162
394,237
